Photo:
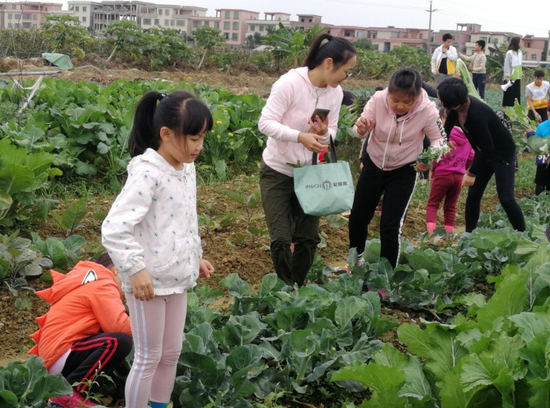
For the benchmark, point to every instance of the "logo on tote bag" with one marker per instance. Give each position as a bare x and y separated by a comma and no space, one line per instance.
327,185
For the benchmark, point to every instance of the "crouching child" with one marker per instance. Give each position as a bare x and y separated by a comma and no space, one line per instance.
86,331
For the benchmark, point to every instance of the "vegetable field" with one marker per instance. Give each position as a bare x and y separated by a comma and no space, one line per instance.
465,321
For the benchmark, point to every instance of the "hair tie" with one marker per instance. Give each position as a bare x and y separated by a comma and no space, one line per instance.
326,40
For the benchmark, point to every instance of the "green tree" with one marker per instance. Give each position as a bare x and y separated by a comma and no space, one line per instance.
289,46
253,41
415,57
375,65
166,47
207,38
314,32
495,61
126,37
65,34
363,44
21,43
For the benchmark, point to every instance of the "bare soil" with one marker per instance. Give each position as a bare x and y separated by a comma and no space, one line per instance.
230,248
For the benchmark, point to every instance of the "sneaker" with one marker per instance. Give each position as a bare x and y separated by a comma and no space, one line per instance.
170,405
62,401
74,401
78,401
382,293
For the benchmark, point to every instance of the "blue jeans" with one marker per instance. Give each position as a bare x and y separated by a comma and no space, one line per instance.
479,83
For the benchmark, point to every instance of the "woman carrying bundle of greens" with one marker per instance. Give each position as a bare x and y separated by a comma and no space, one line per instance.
494,151
398,118
294,133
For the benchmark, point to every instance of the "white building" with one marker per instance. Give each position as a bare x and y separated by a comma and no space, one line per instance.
98,15
270,22
83,10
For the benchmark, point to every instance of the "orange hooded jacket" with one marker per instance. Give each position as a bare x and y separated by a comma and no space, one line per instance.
83,302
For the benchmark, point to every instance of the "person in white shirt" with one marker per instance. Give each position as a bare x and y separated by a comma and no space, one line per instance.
444,59
536,94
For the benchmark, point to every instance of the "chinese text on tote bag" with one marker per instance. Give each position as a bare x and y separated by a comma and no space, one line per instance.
326,188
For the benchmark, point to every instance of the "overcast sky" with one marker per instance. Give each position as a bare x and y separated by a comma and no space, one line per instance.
493,15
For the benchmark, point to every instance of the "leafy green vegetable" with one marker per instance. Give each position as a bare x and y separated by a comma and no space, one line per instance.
433,154
28,384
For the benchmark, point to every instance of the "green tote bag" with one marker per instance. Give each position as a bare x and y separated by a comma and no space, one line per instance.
325,188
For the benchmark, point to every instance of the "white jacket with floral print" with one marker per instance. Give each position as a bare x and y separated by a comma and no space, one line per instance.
153,225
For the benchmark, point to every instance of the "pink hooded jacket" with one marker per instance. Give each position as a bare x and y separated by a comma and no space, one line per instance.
457,161
291,103
396,142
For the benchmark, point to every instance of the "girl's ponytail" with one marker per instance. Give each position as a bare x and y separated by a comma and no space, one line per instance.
326,46
143,135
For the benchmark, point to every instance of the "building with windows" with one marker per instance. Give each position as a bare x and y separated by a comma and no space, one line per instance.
352,33
238,24
271,22
98,15
83,10
26,14
535,48
385,39
202,21
306,21
171,16
234,24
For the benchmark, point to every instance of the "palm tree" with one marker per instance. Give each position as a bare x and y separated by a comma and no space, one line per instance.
495,61
290,45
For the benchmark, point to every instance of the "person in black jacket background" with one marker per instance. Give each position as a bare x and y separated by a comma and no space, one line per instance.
494,148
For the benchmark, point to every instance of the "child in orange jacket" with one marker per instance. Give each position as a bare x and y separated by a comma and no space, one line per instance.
86,331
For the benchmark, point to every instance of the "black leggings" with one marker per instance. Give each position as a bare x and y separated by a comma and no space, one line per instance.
504,172
99,353
398,187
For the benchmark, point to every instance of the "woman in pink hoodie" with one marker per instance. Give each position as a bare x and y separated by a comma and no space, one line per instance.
446,178
398,118
293,138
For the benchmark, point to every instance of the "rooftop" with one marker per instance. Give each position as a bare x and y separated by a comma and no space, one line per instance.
276,12
229,9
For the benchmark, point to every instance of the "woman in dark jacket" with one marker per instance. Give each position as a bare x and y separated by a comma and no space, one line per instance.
494,151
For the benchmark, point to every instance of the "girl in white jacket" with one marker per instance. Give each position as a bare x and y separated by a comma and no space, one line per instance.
293,136
151,234
512,70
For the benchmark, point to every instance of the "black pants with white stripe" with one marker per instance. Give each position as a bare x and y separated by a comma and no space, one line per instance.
397,186
102,352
